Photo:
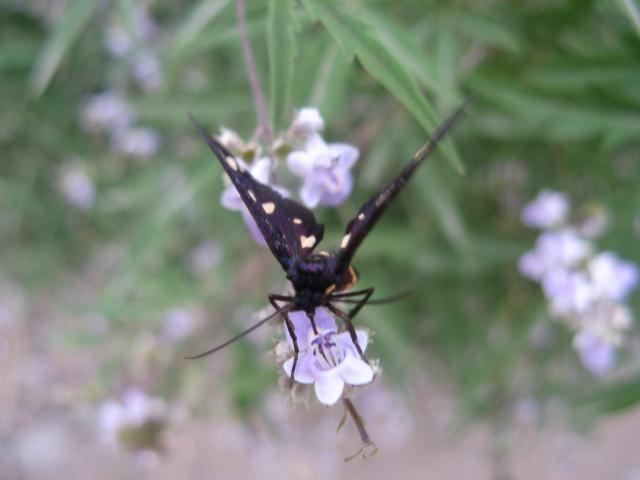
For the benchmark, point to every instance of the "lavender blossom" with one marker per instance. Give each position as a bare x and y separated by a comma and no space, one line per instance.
596,355
325,171
549,209
612,277
307,122
327,359
179,323
77,186
106,111
139,142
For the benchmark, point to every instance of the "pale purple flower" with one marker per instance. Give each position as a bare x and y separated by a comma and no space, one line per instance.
140,142
147,70
119,41
569,292
548,210
179,323
554,249
260,170
106,111
596,355
327,359
613,277
77,186
204,257
307,122
325,171
133,411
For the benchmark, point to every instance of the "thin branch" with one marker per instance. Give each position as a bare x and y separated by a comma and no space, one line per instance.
254,79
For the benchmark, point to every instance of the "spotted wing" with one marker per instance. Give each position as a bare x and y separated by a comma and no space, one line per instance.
358,228
289,228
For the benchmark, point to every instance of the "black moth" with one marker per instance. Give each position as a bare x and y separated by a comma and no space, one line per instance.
291,233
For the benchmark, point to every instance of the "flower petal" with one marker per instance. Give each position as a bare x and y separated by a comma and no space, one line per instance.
324,320
346,154
230,198
344,339
329,387
334,197
301,327
253,227
355,371
261,170
303,373
311,192
300,163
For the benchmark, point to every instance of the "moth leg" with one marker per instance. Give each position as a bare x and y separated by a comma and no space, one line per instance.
347,317
273,299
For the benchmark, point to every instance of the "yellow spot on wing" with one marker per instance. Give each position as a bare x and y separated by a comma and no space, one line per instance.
330,289
269,207
252,195
297,221
232,163
345,240
307,242
361,217
325,254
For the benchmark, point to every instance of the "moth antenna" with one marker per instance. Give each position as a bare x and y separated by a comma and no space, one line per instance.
381,301
240,335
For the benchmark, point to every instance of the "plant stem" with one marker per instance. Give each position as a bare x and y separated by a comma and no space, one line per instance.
254,79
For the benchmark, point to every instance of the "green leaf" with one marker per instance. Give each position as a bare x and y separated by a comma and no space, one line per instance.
197,20
282,50
489,31
357,38
60,40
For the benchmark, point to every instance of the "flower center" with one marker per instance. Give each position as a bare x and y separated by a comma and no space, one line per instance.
326,353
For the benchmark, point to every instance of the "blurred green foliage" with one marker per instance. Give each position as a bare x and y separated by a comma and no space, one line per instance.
556,88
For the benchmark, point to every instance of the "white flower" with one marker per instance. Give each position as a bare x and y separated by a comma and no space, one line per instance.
135,409
612,277
307,121
106,111
179,323
325,171
555,249
327,359
141,142
548,210
204,257
260,170
77,186
569,291
596,355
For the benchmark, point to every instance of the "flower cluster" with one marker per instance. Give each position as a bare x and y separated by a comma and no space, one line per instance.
585,288
136,423
323,169
328,359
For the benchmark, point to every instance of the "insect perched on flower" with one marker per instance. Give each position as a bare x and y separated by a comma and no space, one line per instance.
291,232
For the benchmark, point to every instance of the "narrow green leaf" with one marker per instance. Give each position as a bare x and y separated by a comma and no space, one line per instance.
282,50
488,31
197,20
60,40
356,37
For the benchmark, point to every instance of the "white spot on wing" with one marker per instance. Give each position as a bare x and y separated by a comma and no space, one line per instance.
361,217
252,195
345,240
297,221
307,242
269,207
232,163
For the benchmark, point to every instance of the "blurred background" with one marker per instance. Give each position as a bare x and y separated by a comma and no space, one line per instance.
118,258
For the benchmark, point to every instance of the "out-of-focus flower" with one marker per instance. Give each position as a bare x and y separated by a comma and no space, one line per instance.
554,249
147,70
612,277
569,291
548,210
325,171
140,142
596,355
77,186
179,323
307,122
119,41
260,169
204,257
584,289
135,422
327,359
106,112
